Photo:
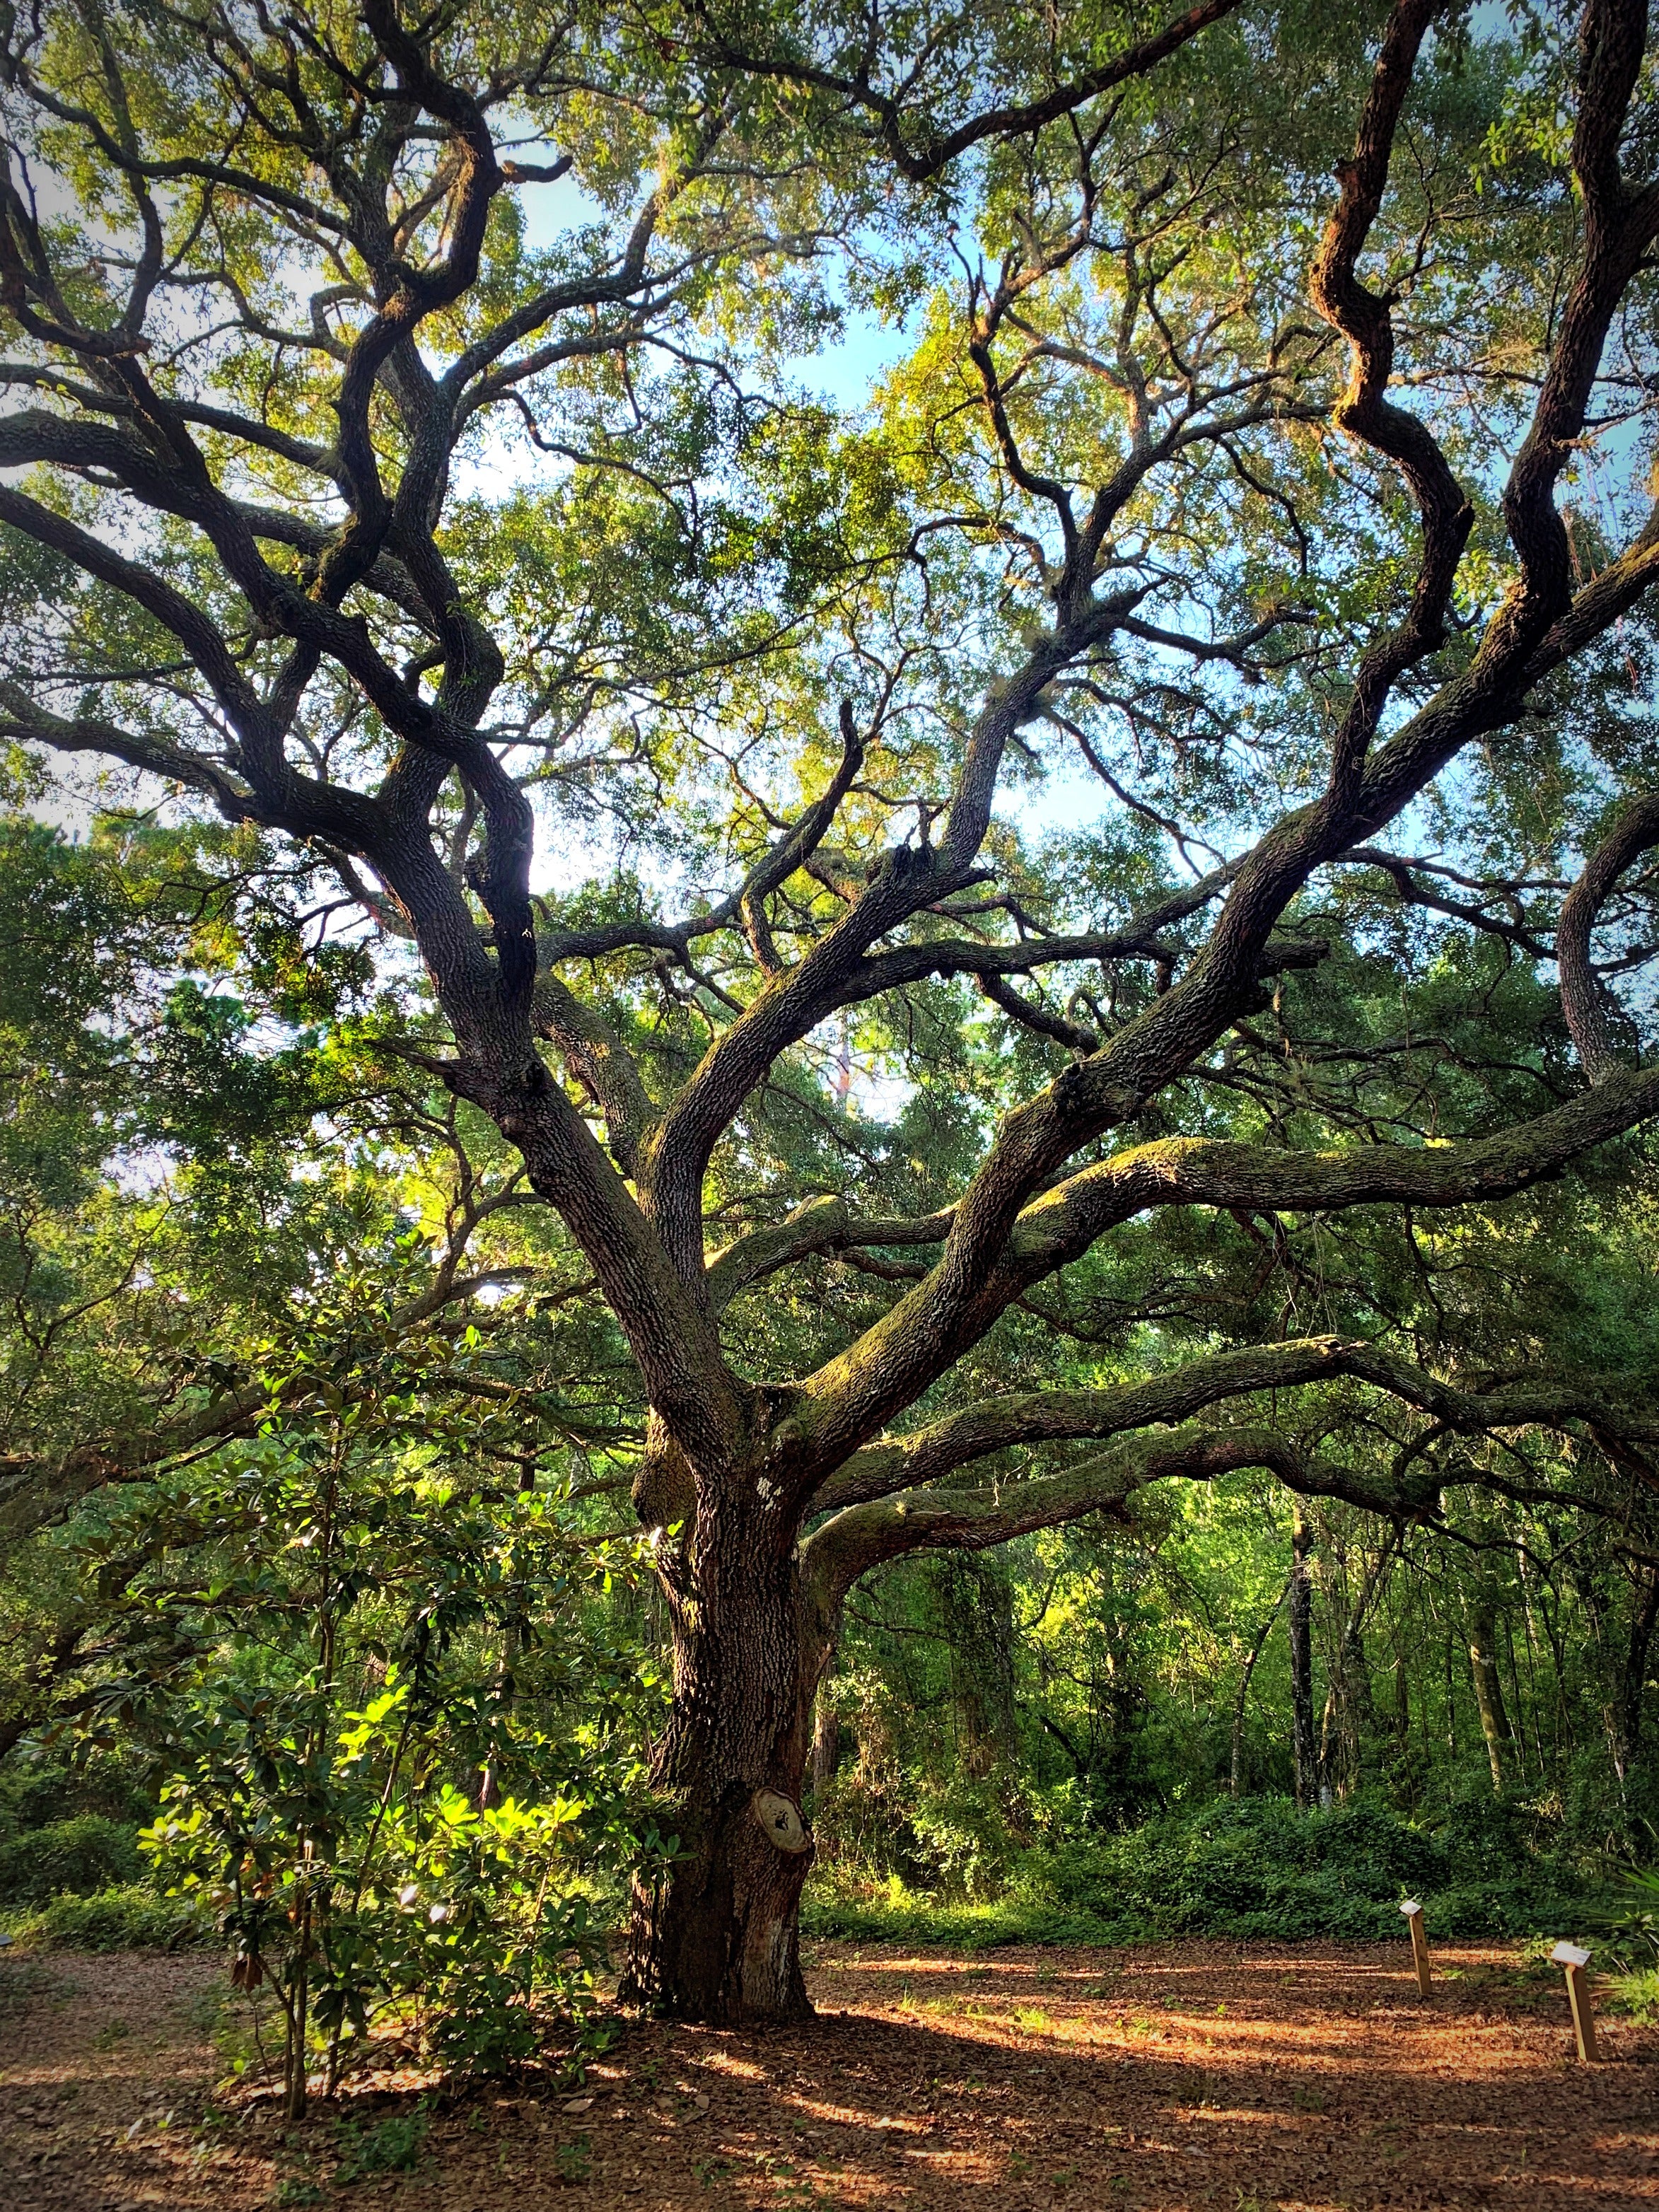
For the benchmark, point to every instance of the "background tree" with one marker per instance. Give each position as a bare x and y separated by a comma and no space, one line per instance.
1145,503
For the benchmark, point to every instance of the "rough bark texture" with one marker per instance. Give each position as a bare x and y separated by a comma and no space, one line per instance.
738,1464
717,1938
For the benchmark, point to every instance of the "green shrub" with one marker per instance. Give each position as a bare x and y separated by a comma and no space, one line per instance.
1638,1993
898,1915
1253,1868
38,1790
81,1855
1628,1919
958,1837
1624,1926
132,1917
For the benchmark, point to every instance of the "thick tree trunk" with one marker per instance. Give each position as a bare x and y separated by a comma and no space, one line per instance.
717,1938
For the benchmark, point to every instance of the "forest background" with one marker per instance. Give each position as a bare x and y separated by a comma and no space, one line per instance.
345,1597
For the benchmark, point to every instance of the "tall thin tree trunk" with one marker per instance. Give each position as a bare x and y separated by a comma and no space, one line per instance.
826,1741
299,2020
1329,1764
1488,1690
1644,1620
1235,1770
1301,1632
1517,1707
976,1604
1350,1707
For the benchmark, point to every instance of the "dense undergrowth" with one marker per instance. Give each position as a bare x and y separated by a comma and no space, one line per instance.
72,1874
1254,1867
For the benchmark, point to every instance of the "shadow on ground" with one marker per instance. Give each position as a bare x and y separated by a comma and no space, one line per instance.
1173,2076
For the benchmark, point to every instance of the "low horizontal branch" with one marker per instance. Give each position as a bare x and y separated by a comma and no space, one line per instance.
1025,1419
1255,1178
849,1399
865,1536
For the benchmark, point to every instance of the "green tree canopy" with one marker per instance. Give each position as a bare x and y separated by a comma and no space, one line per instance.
1087,897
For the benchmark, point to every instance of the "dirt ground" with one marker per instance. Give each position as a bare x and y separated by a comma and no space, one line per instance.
1244,2077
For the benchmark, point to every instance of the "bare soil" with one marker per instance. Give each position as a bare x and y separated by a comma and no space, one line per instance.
1176,2075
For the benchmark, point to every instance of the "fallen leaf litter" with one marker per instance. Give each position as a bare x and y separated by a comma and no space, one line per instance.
1250,2078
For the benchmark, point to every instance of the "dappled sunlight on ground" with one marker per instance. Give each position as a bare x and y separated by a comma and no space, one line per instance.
1177,2076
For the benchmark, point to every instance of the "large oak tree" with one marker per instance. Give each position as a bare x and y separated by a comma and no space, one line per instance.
350,493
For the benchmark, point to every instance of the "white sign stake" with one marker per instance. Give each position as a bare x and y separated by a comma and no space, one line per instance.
1577,1962
1414,1912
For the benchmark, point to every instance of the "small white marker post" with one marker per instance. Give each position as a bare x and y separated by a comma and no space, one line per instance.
1579,1996
1414,1912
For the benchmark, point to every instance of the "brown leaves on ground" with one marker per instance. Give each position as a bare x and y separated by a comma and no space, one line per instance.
1243,2077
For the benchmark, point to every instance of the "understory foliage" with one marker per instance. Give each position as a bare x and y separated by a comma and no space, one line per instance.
378,1784
366,1690
349,1675
827,907
1112,1769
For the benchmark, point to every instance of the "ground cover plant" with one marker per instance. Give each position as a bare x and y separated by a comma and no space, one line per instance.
746,1125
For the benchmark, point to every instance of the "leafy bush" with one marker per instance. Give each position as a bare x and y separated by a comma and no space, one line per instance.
81,1855
1625,1925
460,1915
393,1796
1629,1919
896,1914
37,1790
132,1917
959,1837
1256,1867
1638,1993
